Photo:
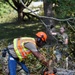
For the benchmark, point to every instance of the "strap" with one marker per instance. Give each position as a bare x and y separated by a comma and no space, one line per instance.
11,54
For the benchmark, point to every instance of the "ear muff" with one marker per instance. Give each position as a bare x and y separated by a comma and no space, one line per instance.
40,43
39,40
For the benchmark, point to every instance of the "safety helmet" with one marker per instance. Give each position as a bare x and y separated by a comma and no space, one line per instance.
42,35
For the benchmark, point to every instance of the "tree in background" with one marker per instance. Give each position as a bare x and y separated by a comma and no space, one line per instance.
48,11
52,8
61,9
17,5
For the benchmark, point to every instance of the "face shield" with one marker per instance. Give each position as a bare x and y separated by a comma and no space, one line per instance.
39,42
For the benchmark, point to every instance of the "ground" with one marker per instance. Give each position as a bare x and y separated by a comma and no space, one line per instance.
10,28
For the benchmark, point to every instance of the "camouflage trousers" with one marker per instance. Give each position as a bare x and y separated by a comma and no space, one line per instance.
5,70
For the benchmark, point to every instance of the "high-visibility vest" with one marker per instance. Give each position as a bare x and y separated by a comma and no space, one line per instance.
21,51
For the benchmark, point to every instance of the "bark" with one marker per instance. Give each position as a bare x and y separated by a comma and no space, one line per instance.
20,14
48,11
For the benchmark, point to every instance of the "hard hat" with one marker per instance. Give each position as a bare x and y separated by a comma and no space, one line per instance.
42,35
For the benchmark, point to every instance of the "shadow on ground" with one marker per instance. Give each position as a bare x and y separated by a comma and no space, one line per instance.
11,30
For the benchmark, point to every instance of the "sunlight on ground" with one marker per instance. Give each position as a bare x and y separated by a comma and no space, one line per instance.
35,6
8,17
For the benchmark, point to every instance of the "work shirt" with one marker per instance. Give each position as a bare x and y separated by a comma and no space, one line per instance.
62,37
28,45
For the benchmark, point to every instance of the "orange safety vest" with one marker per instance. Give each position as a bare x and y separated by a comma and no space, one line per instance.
21,51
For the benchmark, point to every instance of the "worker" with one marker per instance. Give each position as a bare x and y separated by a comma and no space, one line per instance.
62,40
22,47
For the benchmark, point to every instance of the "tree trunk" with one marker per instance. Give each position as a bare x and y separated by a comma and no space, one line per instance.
48,11
20,14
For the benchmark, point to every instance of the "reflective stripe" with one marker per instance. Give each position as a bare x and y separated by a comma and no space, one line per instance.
16,49
19,48
26,39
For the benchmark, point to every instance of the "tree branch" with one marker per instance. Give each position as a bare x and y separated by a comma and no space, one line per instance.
11,5
29,1
70,26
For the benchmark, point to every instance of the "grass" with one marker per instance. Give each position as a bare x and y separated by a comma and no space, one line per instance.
10,28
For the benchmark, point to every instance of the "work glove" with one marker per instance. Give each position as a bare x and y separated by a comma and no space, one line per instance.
51,68
46,71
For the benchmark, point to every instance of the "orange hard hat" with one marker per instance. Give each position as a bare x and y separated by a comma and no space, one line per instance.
42,35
